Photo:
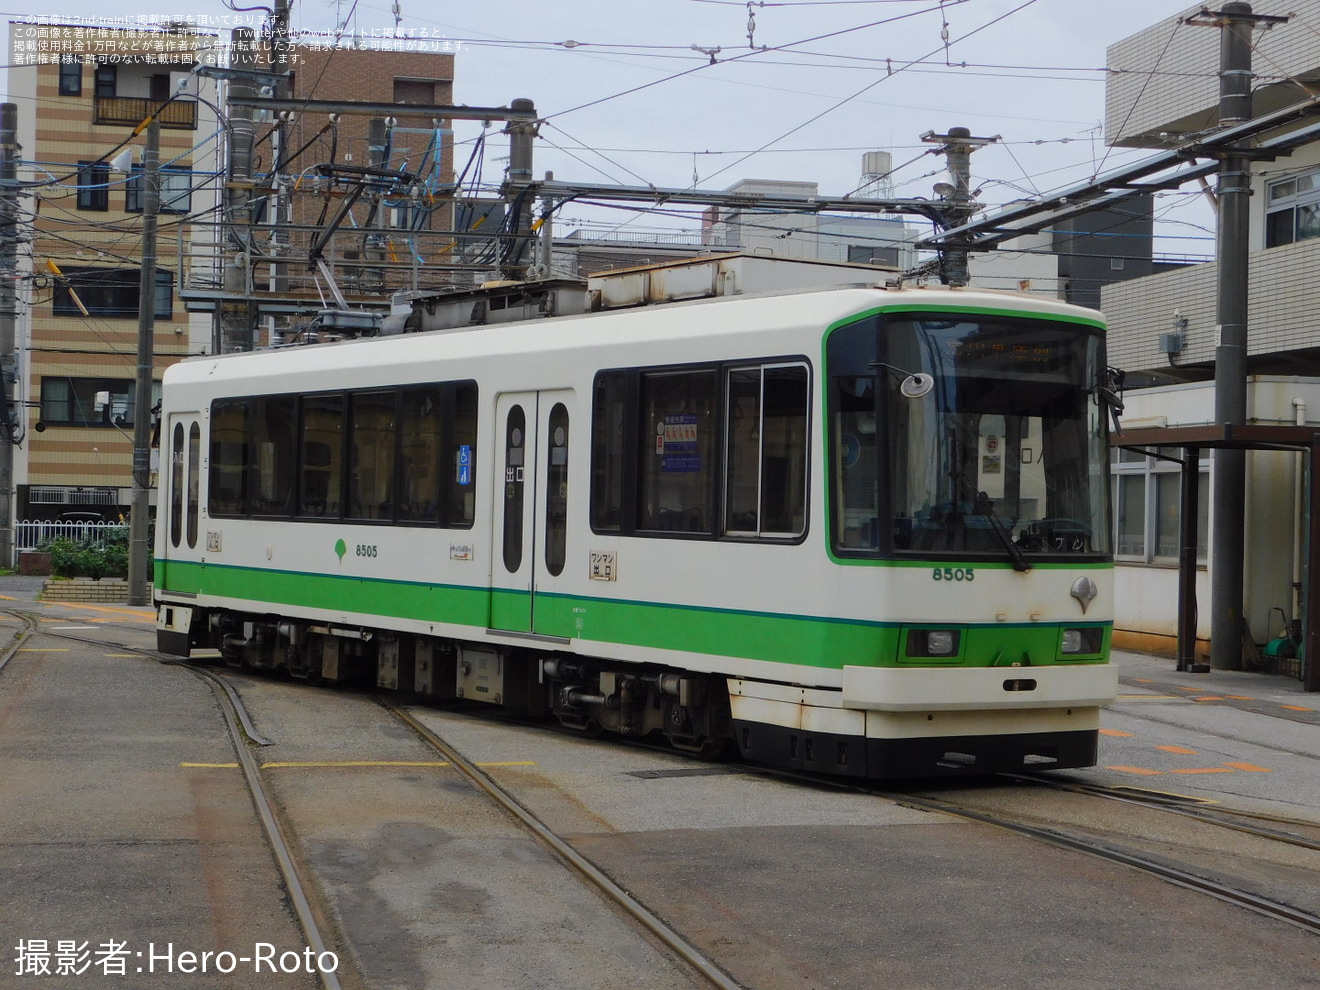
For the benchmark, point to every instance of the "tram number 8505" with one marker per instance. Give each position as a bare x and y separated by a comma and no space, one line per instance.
953,574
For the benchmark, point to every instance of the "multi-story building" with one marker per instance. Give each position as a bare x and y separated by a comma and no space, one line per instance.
1163,90
82,93
884,240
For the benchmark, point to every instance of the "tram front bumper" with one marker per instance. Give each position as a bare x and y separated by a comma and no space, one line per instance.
909,689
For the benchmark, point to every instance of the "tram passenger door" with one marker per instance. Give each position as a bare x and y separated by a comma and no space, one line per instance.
531,513
181,460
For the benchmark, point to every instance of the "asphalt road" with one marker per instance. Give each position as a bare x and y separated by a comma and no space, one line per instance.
124,822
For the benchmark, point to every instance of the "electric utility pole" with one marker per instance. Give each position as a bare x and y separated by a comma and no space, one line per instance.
959,204
9,150
1227,545
521,132
234,318
137,525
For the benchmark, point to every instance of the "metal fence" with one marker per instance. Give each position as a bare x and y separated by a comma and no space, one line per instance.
30,535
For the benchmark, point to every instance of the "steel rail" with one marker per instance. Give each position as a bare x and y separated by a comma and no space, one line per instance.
1207,812
231,706
1174,875
235,702
29,627
648,920
241,729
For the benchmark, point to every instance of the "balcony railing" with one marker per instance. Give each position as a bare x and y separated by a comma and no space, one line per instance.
179,115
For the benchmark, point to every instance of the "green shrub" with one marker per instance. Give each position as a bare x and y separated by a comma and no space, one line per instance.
106,557
63,556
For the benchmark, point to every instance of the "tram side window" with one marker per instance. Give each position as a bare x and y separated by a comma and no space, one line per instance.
856,464
556,491
462,502
675,476
766,452
321,455
227,484
420,431
194,482
371,450
176,486
274,426
607,452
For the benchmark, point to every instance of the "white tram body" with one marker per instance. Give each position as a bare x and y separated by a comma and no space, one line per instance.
666,521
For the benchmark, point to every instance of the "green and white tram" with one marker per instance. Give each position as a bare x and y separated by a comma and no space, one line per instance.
857,531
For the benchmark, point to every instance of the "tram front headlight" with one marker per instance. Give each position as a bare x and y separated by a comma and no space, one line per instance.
1080,641
932,643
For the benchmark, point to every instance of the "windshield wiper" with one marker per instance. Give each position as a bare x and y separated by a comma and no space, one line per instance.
983,506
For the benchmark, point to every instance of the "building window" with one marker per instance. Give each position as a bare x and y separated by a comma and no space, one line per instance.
109,292
419,91
1292,209
873,254
1148,504
107,79
70,76
89,401
93,186
175,191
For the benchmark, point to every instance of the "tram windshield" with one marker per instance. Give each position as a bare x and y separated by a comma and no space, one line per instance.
1004,455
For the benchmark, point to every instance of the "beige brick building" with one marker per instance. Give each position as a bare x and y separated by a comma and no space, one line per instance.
81,92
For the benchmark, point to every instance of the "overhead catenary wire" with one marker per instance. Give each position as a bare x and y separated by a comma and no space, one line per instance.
737,58
868,88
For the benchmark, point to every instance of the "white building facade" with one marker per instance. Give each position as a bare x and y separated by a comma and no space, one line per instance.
1163,91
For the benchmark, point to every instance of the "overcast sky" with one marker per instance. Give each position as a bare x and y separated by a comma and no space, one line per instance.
835,78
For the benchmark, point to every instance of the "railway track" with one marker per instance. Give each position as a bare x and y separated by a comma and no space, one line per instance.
311,914
1187,876
299,887
612,891
1278,828
1125,850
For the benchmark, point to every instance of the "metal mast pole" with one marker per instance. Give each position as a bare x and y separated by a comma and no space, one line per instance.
137,530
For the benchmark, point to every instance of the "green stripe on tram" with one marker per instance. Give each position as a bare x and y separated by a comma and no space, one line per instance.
812,641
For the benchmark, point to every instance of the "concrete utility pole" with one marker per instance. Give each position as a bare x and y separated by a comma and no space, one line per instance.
957,146
279,210
1227,549
137,527
234,314
9,150
516,192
